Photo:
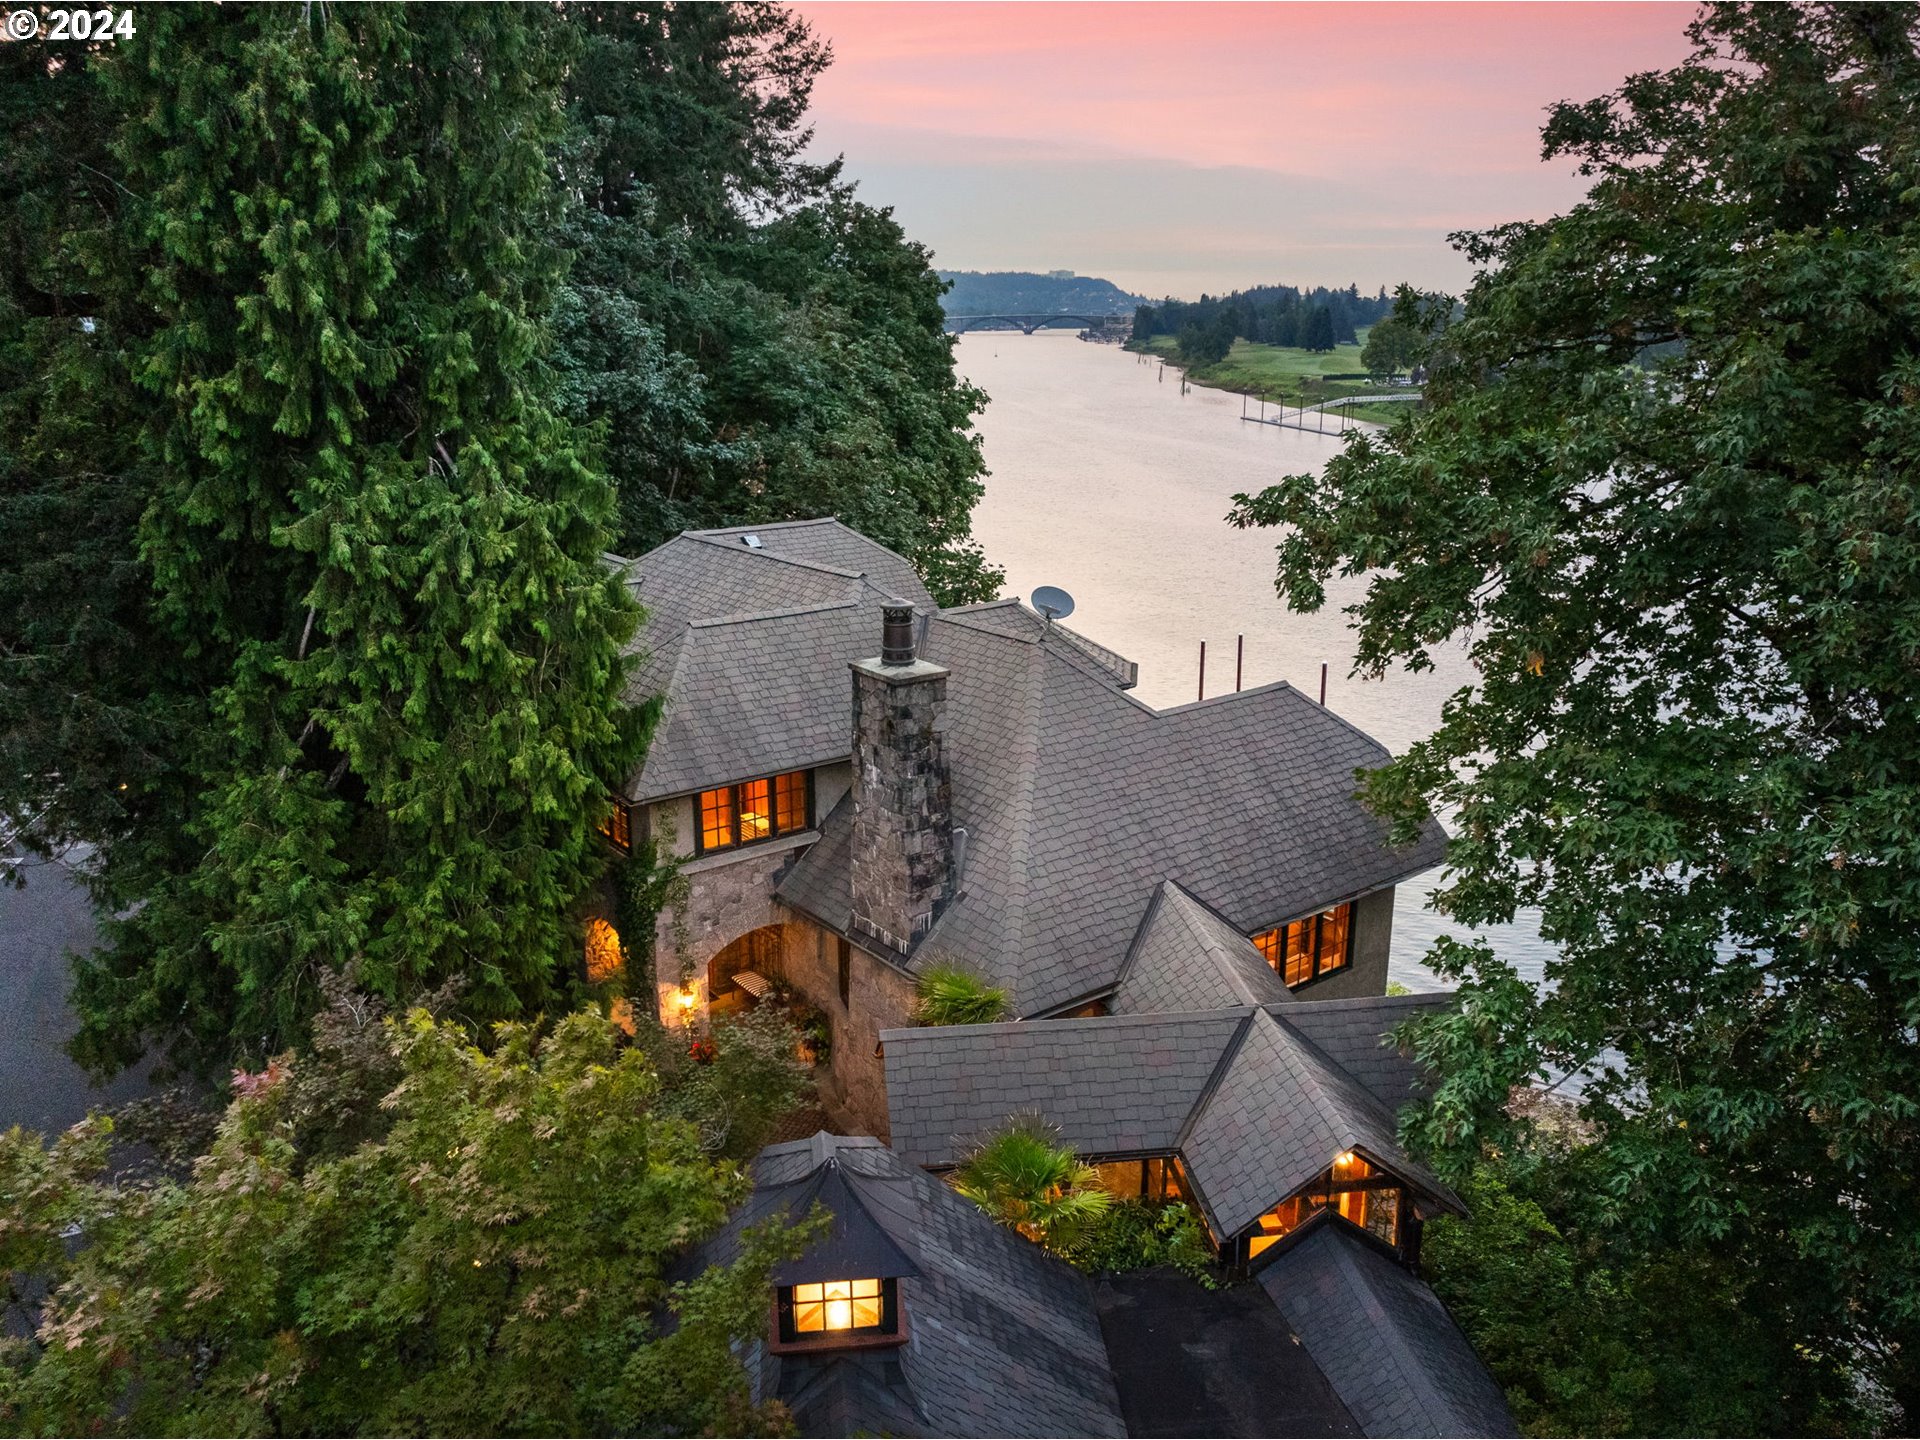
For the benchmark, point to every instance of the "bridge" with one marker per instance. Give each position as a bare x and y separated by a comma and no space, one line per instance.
1027,324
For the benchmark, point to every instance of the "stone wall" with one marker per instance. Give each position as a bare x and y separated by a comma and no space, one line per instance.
1372,939
727,895
853,1084
902,863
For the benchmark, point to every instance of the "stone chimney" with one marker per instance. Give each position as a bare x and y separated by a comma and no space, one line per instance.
902,795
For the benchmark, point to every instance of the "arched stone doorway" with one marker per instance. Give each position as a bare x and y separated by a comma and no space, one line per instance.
756,956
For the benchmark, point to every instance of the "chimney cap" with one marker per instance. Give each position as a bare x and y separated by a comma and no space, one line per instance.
897,646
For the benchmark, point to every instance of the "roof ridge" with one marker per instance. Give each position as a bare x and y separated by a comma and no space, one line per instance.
1140,933
1216,952
1350,1249
707,538
1228,1054
1019,848
751,616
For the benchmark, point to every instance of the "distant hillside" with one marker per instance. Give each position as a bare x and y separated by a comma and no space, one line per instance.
1021,292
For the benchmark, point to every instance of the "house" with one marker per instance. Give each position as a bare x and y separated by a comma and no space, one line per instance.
858,784
1191,913
916,1314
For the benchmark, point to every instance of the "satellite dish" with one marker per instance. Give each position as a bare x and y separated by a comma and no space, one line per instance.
1053,602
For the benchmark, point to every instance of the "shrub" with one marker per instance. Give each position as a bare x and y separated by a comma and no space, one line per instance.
1138,1235
954,995
1024,1178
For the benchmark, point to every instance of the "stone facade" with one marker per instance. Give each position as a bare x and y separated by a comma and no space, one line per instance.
902,865
1372,937
878,996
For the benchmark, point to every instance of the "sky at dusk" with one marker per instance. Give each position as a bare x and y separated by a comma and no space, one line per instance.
1181,148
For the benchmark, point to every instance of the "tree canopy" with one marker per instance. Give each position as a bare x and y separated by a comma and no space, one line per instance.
399,1233
1663,492
338,345
756,343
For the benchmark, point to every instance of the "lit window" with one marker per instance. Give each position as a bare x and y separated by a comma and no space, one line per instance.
824,1312
753,810
1351,1188
618,827
716,818
603,953
756,811
1311,946
790,802
836,1305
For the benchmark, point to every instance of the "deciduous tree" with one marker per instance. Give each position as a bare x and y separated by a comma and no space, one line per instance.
492,1250
1664,492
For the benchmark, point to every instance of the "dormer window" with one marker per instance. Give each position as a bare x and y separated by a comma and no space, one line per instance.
1310,947
827,1313
729,816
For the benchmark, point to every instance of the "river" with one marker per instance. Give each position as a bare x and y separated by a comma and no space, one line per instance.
1111,484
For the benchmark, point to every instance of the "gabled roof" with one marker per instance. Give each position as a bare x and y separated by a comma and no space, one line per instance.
1188,958
1002,1338
1253,1107
1383,1339
782,616
1279,1114
1079,802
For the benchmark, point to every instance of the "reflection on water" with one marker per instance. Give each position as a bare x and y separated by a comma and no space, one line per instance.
1111,484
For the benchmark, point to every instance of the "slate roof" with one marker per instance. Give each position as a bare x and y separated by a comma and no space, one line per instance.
1349,1033
750,646
1002,1338
1253,1107
1188,958
1382,1338
1079,801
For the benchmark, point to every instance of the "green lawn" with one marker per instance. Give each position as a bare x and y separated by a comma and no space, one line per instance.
1275,372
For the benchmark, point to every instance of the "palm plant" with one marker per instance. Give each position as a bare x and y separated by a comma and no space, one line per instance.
1026,1179
953,995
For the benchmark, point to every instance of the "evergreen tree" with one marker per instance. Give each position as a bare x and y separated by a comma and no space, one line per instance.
361,523
1316,332
757,344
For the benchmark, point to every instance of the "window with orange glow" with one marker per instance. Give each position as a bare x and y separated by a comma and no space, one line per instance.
1351,1188
823,1309
603,953
790,802
753,810
1312,946
716,819
618,827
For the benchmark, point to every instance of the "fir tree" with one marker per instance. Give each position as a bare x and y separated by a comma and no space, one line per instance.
363,522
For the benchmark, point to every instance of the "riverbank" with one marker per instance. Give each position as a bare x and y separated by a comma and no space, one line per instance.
1282,375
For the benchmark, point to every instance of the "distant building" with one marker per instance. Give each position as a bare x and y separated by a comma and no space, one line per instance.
1060,274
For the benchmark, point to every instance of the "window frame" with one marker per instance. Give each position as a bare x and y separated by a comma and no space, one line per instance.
735,793
1275,947
617,828
889,1331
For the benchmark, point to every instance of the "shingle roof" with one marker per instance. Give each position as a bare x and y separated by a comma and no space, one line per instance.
1352,1033
1002,1338
1185,957
780,684
1111,1085
1382,1338
786,617
1079,801
1252,1106
1275,1120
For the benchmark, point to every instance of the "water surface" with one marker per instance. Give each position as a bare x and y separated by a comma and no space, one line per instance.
1110,483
